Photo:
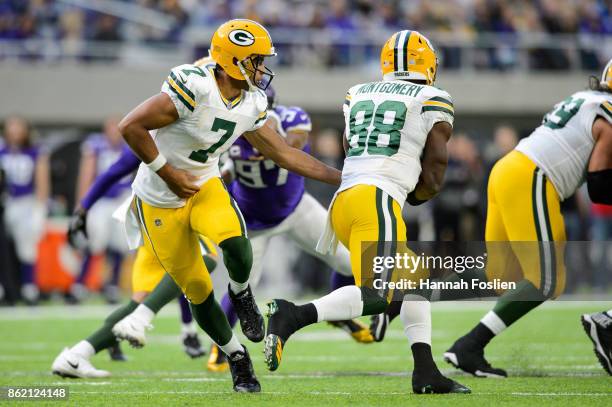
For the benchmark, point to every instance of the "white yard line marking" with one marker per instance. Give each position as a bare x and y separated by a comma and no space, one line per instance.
336,393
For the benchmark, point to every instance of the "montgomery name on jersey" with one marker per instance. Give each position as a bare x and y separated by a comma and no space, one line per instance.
562,145
387,123
208,125
261,180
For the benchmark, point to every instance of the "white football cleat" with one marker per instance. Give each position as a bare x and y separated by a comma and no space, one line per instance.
132,329
70,364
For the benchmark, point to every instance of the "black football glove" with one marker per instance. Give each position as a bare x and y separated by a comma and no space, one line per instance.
77,229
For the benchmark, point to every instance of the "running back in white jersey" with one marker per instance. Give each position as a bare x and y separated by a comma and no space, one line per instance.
387,124
208,125
562,145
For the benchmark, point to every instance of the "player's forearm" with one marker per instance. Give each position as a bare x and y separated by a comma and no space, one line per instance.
306,165
125,165
139,140
430,183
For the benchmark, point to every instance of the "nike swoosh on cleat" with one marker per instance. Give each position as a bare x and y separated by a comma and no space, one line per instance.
73,365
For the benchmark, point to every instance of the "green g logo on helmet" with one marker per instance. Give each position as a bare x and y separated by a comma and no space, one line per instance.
242,38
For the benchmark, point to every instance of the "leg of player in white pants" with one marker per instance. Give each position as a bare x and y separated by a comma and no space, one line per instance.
25,221
306,224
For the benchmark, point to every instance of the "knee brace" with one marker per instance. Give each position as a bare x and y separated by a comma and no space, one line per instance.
238,257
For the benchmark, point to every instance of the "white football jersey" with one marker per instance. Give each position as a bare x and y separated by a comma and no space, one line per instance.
208,125
387,124
562,145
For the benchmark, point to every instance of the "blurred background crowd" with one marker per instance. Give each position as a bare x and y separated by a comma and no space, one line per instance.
471,34
45,43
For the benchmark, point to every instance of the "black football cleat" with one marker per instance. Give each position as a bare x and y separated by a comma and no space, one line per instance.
378,326
282,323
251,320
598,327
436,383
116,354
193,346
468,356
243,375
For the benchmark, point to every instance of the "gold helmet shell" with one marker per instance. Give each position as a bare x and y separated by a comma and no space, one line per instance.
409,55
238,46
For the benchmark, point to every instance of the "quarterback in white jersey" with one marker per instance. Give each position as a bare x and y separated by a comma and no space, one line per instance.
208,124
178,194
395,142
572,145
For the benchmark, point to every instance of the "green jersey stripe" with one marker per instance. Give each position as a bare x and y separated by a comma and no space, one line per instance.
182,86
441,99
437,109
180,97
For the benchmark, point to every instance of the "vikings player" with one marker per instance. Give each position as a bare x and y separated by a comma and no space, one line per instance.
26,169
99,152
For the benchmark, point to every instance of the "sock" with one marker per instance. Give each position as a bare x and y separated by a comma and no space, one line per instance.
83,349
238,287
394,309
233,345
186,317
339,305
211,319
228,309
27,273
103,337
165,291
513,304
415,314
144,313
84,269
115,259
188,328
423,359
338,280
238,259
481,333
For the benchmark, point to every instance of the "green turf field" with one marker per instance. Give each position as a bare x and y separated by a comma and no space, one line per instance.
547,354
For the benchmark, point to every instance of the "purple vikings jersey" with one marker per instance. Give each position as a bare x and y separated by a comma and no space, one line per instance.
106,155
266,194
19,167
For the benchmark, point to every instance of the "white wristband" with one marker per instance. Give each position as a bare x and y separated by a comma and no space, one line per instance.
156,164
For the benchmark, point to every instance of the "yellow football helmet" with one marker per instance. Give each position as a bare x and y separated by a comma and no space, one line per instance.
409,55
239,47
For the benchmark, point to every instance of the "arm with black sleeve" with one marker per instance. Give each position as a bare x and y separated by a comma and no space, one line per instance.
599,172
125,164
